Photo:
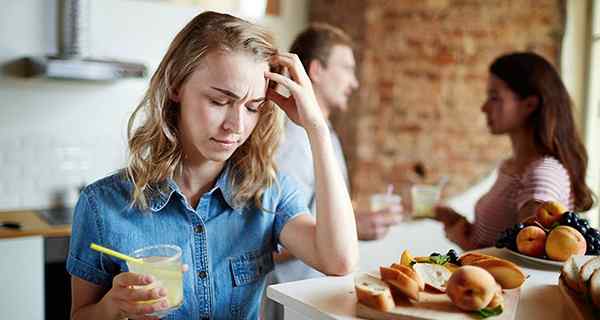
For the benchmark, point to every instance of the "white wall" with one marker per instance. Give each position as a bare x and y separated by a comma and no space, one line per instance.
592,118
55,135
581,73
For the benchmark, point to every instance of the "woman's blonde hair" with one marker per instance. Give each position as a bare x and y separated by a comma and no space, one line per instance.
155,150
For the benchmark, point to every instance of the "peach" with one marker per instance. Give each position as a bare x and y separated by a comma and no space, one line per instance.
549,212
532,241
471,288
563,242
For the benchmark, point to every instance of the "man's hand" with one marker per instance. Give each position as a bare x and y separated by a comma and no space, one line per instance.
375,225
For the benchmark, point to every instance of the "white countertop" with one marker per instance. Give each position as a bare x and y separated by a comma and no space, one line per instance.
334,297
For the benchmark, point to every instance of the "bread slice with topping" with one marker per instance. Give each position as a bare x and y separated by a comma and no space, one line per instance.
435,276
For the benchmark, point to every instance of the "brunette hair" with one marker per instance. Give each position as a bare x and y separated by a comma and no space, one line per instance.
316,42
528,74
155,149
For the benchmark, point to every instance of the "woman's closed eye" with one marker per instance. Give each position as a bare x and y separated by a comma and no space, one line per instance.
220,103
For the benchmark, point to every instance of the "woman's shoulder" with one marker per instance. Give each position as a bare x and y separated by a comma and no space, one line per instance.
116,181
545,166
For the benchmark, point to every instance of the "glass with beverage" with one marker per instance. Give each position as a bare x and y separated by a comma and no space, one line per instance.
163,262
388,200
424,197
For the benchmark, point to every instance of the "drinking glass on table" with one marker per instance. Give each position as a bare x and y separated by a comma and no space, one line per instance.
388,200
424,198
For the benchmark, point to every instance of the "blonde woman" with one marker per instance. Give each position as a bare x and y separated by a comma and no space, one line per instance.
201,176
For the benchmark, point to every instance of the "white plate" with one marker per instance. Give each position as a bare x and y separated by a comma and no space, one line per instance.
549,263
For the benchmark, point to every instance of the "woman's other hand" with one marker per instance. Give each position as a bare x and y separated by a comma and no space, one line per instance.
446,215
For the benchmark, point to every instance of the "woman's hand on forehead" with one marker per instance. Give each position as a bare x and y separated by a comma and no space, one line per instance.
301,106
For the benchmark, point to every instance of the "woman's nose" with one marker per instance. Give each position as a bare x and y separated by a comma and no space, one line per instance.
234,121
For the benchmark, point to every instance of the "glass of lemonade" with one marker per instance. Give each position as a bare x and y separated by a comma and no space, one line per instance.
424,197
163,262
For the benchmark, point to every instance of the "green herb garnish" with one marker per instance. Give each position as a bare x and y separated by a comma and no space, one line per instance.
488,312
441,259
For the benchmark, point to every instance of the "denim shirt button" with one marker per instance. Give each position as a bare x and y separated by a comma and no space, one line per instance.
199,229
202,274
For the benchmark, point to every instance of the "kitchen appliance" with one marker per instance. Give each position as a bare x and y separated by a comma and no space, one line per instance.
73,60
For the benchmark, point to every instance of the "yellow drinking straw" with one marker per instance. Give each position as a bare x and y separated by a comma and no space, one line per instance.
115,254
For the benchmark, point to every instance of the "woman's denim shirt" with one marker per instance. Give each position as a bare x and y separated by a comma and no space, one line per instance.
228,250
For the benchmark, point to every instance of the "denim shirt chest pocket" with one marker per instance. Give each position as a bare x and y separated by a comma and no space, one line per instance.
248,271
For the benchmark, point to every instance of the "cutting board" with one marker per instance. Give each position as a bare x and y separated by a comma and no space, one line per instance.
575,307
437,306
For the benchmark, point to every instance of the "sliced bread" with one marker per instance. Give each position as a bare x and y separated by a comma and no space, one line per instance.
586,271
570,272
400,281
410,273
373,293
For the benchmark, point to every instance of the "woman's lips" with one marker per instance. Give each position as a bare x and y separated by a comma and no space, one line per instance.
228,143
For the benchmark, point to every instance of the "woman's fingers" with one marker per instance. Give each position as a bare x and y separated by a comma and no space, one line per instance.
127,279
293,64
132,294
283,80
137,310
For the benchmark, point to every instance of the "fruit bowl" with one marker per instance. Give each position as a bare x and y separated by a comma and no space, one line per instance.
534,260
549,239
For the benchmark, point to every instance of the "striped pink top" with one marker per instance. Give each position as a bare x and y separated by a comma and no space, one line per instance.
543,180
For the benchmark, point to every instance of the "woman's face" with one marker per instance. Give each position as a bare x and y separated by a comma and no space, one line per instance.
220,104
505,112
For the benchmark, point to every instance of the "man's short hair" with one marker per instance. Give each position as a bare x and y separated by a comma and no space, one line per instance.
317,41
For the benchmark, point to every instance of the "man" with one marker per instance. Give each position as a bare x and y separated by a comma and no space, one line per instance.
327,56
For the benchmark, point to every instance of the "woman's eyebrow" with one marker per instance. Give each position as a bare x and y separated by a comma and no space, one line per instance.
227,93
235,96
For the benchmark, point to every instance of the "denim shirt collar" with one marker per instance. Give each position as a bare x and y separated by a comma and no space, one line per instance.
162,193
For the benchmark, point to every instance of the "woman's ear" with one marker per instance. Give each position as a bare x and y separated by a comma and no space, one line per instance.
174,95
531,103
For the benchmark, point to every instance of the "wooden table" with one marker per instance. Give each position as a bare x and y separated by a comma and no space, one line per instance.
22,264
334,297
31,225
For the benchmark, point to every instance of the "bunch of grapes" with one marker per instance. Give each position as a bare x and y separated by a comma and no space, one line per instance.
508,237
591,235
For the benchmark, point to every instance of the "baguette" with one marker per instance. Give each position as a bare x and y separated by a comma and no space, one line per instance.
586,271
410,273
570,272
374,293
403,283
470,257
506,273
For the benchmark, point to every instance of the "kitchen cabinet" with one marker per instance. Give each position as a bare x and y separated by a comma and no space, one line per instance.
22,278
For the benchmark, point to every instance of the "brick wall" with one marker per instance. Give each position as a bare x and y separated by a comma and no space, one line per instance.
422,66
